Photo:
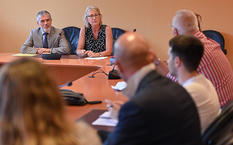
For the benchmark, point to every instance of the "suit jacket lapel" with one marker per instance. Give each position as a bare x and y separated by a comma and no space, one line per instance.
39,38
51,38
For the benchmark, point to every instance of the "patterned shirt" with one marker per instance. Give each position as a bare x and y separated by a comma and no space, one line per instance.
215,66
95,45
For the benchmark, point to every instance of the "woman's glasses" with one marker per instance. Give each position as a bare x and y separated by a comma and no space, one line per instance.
92,16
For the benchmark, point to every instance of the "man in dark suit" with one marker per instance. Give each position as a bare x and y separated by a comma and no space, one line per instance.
159,111
46,38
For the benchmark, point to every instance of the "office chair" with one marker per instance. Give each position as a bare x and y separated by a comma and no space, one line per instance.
72,36
216,36
220,131
116,32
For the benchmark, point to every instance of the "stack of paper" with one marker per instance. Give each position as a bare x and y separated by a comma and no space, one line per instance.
105,120
120,86
24,54
96,58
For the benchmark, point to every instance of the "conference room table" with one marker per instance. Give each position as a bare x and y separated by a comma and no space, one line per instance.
87,76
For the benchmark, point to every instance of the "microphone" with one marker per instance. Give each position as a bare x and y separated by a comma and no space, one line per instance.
52,56
113,67
101,71
113,74
75,98
69,83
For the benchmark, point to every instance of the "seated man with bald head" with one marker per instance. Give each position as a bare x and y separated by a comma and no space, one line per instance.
159,111
214,64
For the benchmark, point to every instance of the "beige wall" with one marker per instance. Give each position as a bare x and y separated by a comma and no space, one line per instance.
151,18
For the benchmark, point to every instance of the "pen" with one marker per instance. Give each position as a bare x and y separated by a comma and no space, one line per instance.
109,104
104,117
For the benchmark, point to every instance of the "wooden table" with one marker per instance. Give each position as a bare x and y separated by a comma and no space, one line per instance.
72,68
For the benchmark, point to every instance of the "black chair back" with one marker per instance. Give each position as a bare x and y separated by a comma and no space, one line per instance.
220,132
72,36
116,32
216,36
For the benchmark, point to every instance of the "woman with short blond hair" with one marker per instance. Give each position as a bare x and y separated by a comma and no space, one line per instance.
95,39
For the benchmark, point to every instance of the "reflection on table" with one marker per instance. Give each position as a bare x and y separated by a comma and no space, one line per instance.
78,70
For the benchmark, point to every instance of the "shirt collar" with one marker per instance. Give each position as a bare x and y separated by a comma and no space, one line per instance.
187,82
42,31
135,79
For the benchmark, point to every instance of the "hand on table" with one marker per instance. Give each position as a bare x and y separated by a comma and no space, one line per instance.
82,53
114,108
92,54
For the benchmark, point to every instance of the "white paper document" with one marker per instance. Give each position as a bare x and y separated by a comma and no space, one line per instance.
120,86
24,54
105,120
96,58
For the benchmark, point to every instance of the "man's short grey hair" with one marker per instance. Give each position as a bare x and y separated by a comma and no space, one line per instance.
40,13
89,8
185,21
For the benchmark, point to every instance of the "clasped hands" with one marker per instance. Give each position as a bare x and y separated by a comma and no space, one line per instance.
43,50
87,53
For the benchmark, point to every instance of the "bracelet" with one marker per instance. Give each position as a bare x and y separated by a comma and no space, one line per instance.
157,61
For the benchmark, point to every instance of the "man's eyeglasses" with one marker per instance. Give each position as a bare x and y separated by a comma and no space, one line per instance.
92,16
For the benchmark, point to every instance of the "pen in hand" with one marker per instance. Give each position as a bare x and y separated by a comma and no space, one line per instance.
108,103
113,108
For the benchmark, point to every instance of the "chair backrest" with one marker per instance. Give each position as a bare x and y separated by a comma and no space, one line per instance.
216,36
116,32
221,130
72,36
